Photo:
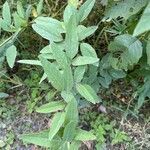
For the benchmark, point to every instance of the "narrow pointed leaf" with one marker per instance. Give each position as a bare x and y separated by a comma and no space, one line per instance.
6,13
71,39
11,54
85,9
72,111
69,131
79,73
88,93
84,32
51,107
40,138
57,122
144,23
53,74
30,62
59,55
68,78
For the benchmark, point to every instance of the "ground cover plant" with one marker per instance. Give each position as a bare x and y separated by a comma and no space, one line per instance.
76,74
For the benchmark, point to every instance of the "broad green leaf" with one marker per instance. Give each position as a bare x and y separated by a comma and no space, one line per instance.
51,107
144,23
3,95
72,111
71,39
85,9
40,139
84,60
84,32
47,33
124,9
11,54
49,28
83,135
20,10
51,23
53,74
87,50
6,13
56,124
67,96
40,7
148,52
30,62
88,93
69,131
68,78
128,50
79,73
59,55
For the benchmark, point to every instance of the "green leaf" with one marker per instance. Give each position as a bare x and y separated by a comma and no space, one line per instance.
84,60
67,96
83,135
6,13
68,78
47,49
20,10
43,78
53,74
87,50
71,39
73,3
40,139
84,32
148,52
75,145
59,55
18,21
69,131
30,62
79,73
69,11
2,143
40,7
56,124
144,23
88,93
124,9
11,54
85,9
3,95
72,111
51,107
49,28
128,50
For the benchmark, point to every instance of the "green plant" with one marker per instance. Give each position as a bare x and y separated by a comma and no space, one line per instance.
65,61
130,49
